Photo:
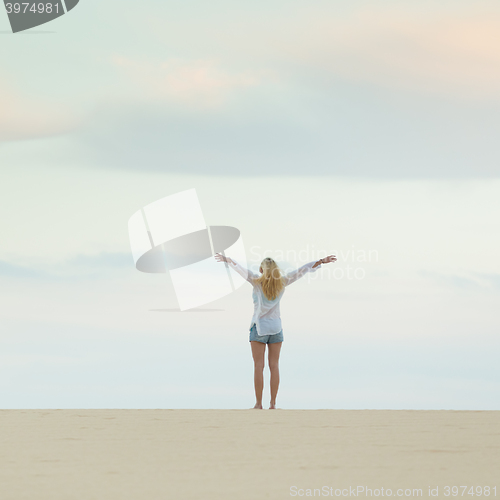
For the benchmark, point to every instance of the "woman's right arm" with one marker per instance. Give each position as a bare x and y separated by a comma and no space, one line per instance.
243,271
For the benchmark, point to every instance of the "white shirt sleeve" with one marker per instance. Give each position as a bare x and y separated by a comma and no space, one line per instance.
243,271
298,273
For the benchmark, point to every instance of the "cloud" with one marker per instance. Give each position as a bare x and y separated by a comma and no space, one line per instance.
199,83
491,280
103,260
9,270
450,52
23,117
450,48
473,282
80,266
340,134
159,138
319,93
406,92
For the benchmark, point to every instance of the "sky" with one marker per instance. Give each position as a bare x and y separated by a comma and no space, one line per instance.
365,130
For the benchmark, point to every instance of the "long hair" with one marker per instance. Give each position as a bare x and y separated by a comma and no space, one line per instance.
271,281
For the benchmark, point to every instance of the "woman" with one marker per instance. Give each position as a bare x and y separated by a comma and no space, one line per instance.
268,288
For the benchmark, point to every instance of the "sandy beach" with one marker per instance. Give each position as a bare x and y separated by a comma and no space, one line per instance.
245,454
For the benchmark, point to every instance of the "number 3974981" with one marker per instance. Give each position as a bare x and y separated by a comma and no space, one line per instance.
34,8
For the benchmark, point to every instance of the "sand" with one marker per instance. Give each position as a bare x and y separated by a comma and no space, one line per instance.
244,454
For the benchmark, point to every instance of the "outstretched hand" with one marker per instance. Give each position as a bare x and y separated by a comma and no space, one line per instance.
220,258
330,258
325,260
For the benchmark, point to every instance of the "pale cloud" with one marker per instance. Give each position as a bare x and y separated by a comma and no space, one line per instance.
10,270
428,47
455,53
467,281
24,117
200,83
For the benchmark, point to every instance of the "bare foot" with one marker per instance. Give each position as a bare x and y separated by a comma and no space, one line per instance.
273,407
257,407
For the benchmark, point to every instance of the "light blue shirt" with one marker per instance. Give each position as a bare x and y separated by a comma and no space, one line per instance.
266,315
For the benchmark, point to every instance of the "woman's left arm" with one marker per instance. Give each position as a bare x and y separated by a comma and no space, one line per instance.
298,273
326,260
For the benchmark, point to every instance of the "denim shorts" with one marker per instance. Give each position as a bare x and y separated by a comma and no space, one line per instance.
265,339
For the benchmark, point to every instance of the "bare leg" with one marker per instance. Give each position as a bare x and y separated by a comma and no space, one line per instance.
258,351
273,358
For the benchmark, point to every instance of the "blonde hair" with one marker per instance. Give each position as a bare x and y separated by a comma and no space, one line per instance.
271,281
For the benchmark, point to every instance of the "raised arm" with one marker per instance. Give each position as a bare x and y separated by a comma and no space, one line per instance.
326,260
307,268
243,271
